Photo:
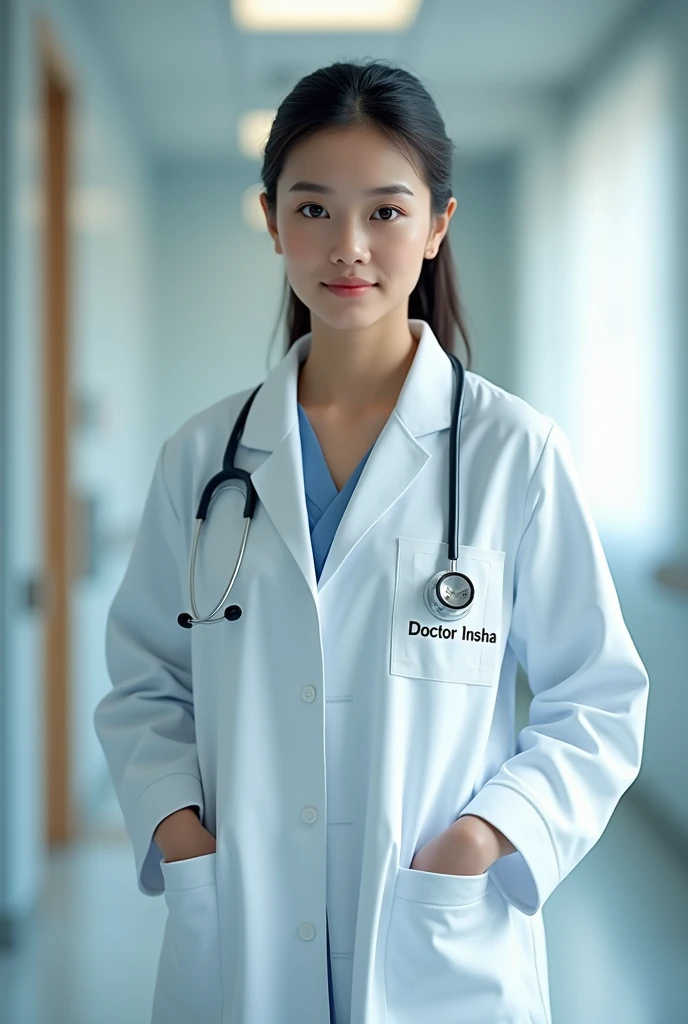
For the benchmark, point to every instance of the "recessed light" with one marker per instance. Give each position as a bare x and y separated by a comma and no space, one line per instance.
316,16
253,130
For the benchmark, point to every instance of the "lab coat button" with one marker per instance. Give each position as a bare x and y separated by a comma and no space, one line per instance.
308,694
309,814
306,931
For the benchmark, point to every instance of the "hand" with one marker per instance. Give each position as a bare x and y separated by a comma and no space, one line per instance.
181,836
468,847
197,845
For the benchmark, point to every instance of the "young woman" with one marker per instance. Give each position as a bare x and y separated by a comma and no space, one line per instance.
322,774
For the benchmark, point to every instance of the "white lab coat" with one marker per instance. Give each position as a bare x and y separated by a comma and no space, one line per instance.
321,806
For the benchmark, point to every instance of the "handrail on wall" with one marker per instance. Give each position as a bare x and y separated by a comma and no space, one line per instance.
674,574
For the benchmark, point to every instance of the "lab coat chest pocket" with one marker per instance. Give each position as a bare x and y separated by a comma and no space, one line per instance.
463,650
189,985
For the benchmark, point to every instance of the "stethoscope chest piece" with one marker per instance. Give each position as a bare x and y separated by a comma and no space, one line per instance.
449,595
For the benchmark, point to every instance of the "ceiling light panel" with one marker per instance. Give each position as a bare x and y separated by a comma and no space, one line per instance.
327,16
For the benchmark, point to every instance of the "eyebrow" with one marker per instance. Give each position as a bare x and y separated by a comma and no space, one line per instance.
396,188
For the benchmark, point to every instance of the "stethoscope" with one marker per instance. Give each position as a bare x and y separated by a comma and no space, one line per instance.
448,595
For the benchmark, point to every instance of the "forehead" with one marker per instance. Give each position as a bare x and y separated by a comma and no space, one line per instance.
354,161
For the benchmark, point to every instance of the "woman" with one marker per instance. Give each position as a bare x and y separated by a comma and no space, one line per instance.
326,784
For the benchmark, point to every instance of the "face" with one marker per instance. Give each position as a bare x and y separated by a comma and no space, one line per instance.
344,232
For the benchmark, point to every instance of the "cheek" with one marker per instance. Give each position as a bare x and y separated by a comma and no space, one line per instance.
300,246
402,267
402,249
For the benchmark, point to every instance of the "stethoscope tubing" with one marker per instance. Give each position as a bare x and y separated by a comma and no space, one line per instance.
454,463
198,620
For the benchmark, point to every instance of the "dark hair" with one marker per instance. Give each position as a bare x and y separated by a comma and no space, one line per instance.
391,99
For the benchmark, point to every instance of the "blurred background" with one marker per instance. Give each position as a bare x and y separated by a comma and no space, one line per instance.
138,285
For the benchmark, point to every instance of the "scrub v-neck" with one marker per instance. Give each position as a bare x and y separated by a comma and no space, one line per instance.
325,504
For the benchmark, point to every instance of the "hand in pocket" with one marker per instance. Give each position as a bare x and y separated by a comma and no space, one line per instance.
452,852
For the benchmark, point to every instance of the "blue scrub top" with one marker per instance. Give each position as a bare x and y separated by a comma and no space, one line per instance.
325,506
324,502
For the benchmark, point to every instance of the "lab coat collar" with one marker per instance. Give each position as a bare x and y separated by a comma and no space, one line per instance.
424,403
424,406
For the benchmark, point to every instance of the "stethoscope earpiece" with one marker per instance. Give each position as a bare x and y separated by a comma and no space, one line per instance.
231,614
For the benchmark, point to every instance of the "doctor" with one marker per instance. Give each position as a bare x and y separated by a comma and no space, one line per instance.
325,783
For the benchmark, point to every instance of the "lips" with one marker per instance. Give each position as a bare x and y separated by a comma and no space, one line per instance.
350,291
350,282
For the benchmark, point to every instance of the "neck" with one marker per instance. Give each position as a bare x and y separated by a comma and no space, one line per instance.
356,371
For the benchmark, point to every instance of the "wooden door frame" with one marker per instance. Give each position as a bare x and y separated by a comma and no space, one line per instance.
55,100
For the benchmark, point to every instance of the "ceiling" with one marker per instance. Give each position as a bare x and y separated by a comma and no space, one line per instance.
494,67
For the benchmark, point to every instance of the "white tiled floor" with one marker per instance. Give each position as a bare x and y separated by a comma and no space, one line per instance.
617,930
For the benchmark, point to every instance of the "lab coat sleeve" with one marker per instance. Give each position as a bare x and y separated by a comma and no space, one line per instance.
145,722
583,745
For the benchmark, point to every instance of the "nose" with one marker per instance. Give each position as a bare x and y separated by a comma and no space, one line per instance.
351,243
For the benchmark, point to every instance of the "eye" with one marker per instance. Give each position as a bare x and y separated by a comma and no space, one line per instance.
389,220
393,209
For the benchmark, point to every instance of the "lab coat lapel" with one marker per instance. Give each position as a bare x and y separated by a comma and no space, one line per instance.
272,425
423,406
393,464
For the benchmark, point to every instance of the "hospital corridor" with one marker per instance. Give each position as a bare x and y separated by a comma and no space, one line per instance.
343,512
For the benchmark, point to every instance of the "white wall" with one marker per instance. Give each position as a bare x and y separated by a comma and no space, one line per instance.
483,240
5,728
112,458
573,339
217,290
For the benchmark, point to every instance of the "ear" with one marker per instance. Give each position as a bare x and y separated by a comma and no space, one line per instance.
271,226
440,228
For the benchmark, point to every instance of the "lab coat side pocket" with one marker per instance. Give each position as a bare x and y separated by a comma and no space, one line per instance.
189,986
456,951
